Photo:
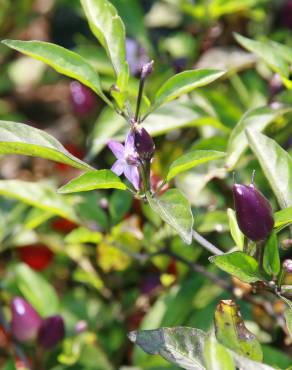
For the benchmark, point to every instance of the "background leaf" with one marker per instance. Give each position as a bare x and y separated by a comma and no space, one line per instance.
276,164
235,231
62,60
39,293
18,138
109,29
100,179
192,159
238,264
175,210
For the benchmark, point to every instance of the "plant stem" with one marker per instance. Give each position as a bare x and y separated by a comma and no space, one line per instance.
139,99
206,244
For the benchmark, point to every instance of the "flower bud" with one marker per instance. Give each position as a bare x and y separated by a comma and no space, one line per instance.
144,144
253,212
287,266
51,332
25,321
147,70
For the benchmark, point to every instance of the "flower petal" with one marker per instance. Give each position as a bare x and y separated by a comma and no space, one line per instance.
130,144
117,148
132,174
119,166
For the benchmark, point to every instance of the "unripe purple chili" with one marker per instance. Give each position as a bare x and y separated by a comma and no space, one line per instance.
144,144
25,321
253,212
51,332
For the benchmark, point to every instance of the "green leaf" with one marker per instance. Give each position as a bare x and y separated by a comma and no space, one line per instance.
283,218
217,356
192,159
62,60
288,318
38,292
271,260
238,264
235,231
175,210
100,179
39,195
181,346
120,203
232,333
18,138
276,164
183,83
83,235
108,28
265,51
258,119
244,363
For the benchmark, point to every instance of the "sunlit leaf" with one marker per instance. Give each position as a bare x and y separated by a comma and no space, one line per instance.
18,138
175,210
283,218
62,60
183,83
192,159
108,28
258,119
238,264
216,355
276,164
232,333
100,179
235,231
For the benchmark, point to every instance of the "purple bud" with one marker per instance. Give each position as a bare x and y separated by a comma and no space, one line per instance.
25,321
144,144
81,326
287,266
147,70
51,332
253,212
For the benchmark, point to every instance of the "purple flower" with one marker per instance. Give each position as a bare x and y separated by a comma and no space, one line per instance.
136,56
127,159
287,266
51,332
25,321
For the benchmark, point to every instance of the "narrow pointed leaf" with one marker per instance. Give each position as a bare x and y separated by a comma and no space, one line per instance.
183,83
62,60
271,260
276,164
39,195
192,159
181,346
18,138
238,264
108,28
37,291
258,119
175,210
232,333
102,179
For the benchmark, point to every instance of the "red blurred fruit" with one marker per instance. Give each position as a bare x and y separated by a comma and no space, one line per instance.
37,256
62,225
83,100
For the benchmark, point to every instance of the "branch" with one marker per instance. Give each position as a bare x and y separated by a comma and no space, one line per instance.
206,244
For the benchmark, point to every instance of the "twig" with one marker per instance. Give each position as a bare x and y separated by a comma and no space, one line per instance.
206,244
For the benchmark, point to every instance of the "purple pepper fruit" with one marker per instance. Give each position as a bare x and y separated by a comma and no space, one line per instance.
253,212
25,321
51,332
144,143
